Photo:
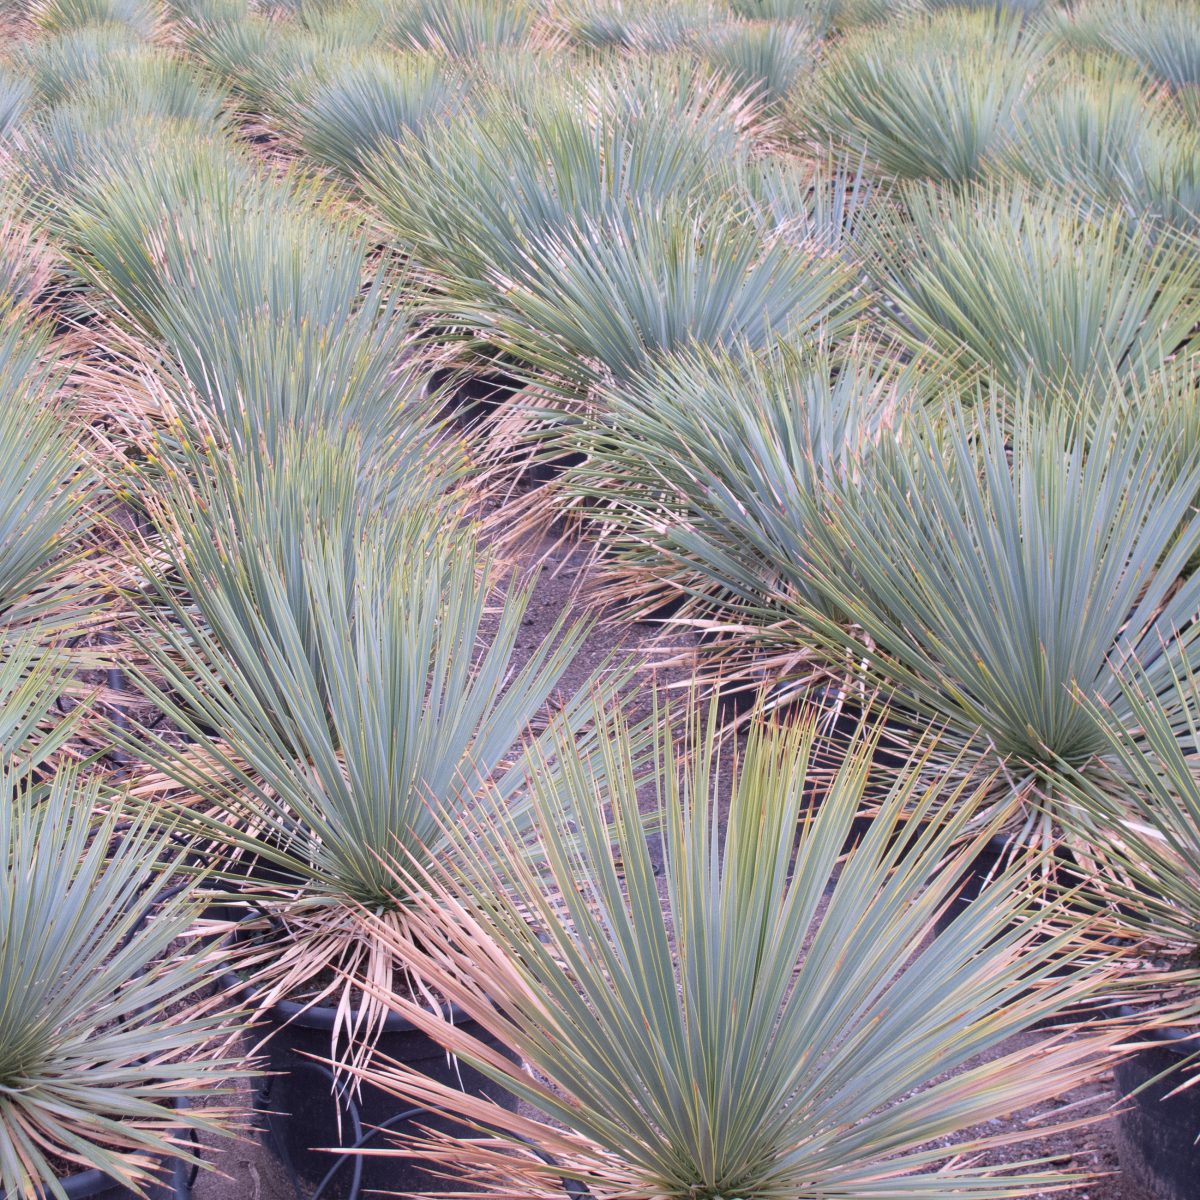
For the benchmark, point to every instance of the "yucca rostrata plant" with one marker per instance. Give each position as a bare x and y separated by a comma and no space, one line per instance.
1145,829
927,99
336,680
764,58
1095,129
1161,36
767,1019
1026,286
274,312
994,565
467,197
358,104
49,495
697,477
106,1023
1144,834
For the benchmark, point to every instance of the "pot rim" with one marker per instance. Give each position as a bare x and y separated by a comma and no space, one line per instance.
1170,1037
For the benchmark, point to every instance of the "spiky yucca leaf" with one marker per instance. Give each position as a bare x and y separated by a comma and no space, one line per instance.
991,568
104,1024
1028,287
708,1034
929,100
349,694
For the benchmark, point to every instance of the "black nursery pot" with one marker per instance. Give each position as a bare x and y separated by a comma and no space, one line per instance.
1156,1133
95,1185
299,1112
992,861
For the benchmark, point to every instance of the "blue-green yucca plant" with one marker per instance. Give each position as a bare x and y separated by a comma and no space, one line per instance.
763,58
1027,287
461,28
49,495
105,1023
767,1019
338,677
56,66
272,309
1143,827
1160,35
467,198
928,99
603,300
61,16
1094,130
695,476
88,136
659,26
993,569
354,109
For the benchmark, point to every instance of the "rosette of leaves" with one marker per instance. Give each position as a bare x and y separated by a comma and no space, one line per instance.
1029,288
601,301
927,99
275,312
765,59
336,685
1095,130
995,566
467,199
1160,35
106,1023
703,1034
62,16
698,478
1144,830
352,110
